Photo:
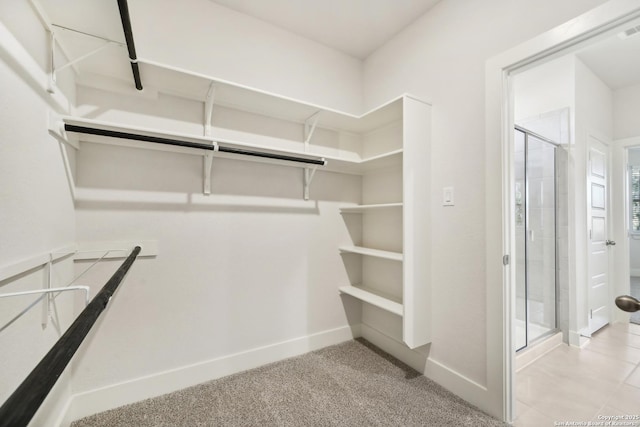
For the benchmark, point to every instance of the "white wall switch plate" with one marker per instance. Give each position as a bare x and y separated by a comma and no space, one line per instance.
447,196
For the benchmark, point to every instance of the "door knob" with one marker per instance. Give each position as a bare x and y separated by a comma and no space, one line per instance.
610,243
628,303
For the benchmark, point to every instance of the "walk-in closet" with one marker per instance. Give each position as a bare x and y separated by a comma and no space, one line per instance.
280,212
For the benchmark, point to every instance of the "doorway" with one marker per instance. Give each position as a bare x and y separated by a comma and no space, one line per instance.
594,26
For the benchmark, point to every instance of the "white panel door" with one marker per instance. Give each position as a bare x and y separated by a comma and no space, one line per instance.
598,269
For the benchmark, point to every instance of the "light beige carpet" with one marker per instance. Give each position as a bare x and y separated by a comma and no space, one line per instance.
350,384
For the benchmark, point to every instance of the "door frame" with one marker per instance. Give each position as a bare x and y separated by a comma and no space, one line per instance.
599,22
620,223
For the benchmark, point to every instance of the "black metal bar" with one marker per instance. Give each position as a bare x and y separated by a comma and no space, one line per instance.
179,143
136,137
22,405
128,35
270,155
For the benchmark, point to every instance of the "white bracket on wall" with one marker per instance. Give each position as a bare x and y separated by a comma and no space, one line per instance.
56,129
208,118
50,291
96,251
208,108
309,128
51,86
72,62
46,24
308,177
207,169
45,260
46,303
85,56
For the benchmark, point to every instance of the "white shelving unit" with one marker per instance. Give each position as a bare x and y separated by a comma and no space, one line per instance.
388,146
395,214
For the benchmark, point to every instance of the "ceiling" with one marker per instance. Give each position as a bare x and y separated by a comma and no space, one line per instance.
355,27
615,60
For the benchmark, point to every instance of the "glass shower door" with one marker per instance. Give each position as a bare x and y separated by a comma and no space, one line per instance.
541,238
535,227
520,324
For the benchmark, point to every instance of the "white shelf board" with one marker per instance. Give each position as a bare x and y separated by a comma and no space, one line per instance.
371,297
369,208
382,161
238,139
394,256
193,85
359,167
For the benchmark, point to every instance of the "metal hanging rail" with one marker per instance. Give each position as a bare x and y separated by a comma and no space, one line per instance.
180,143
22,405
128,35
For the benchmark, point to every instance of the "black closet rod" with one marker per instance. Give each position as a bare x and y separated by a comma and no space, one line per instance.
179,143
128,35
22,405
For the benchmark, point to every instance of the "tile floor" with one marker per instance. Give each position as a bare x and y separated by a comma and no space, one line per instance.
569,384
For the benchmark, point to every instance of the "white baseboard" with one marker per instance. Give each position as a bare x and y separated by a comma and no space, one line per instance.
529,355
635,272
113,396
467,389
576,339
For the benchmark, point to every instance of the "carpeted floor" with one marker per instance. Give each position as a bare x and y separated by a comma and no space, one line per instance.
350,384
635,292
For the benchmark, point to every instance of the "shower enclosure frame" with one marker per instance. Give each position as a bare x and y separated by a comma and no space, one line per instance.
556,306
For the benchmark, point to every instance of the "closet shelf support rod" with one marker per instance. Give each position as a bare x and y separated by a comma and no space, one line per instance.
51,290
180,143
21,406
128,35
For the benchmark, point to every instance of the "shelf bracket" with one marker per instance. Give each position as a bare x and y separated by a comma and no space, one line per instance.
46,302
50,291
54,41
309,127
45,20
208,108
83,57
208,118
206,169
308,177
46,298
51,88
56,129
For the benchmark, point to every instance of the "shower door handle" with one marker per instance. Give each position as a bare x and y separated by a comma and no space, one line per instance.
610,243
531,235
